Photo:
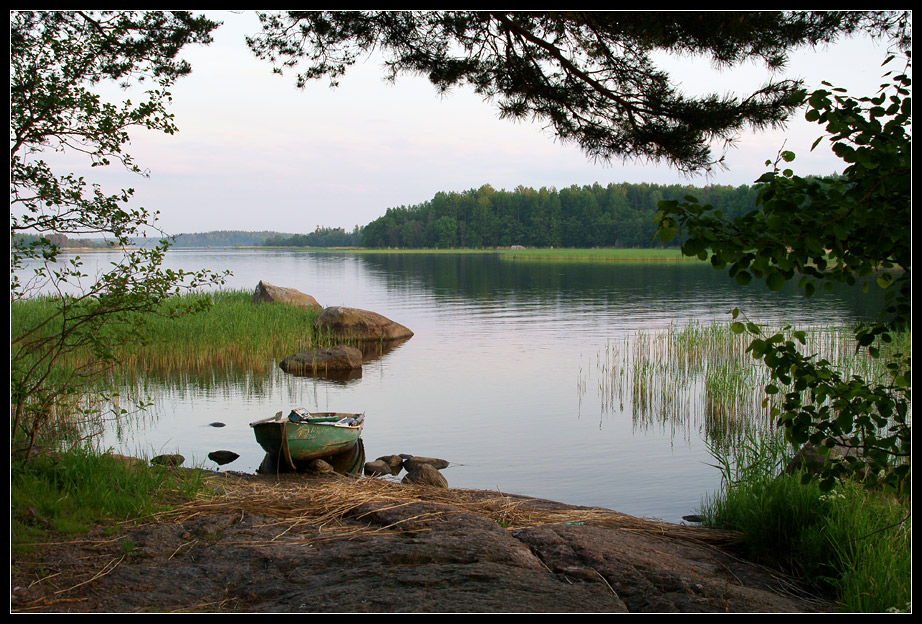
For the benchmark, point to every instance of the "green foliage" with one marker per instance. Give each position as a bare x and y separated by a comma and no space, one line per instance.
224,238
589,75
616,215
769,511
320,237
851,543
850,229
60,63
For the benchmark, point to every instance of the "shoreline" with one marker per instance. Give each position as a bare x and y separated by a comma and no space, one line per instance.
333,544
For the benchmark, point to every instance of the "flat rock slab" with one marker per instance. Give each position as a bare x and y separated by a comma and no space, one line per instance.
360,325
416,557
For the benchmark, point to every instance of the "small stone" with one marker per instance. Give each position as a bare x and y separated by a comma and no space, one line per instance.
319,466
377,468
222,457
168,460
414,461
426,475
216,424
394,461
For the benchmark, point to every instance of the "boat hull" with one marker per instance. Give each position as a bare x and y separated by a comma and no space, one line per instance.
299,442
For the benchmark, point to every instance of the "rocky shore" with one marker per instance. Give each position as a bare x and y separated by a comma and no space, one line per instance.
318,541
294,543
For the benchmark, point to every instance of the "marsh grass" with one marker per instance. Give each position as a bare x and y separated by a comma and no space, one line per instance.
701,374
853,543
68,493
233,333
233,340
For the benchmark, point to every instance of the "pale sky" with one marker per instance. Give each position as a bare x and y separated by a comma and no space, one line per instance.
255,153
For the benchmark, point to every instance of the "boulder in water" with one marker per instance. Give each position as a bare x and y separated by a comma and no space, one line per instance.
222,457
333,360
266,292
360,325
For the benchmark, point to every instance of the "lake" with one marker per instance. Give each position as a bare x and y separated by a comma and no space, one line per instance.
502,377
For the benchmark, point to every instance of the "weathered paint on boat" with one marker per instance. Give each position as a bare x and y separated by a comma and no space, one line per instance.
319,435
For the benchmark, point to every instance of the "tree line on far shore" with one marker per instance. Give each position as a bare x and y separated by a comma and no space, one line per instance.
616,215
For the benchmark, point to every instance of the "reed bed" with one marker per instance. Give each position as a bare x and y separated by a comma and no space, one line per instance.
232,341
232,334
333,508
702,374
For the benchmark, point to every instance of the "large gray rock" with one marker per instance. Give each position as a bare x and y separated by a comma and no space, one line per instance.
338,359
377,468
360,325
266,292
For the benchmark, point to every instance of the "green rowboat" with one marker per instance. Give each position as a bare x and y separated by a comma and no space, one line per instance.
302,436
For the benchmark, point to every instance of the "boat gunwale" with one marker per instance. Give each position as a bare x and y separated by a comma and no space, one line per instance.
279,418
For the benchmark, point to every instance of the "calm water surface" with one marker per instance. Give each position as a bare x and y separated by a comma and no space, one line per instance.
500,377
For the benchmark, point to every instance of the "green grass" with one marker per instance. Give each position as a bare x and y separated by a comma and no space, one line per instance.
852,544
233,337
232,334
68,493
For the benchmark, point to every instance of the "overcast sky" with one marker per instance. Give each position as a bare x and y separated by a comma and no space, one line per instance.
255,153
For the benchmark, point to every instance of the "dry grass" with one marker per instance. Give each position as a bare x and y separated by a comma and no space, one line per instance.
333,508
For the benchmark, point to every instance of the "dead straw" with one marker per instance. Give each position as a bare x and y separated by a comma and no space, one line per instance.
333,508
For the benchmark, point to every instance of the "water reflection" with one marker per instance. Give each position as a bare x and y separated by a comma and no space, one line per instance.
487,381
348,463
632,287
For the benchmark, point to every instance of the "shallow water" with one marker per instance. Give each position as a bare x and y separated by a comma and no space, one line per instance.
502,377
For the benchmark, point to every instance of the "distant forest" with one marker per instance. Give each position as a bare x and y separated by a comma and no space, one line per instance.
59,240
321,237
617,215
225,238
222,238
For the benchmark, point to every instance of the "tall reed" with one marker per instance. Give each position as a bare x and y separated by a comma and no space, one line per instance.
233,333
233,338
702,374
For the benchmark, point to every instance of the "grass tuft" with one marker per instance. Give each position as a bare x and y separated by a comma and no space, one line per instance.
853,543
69,493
